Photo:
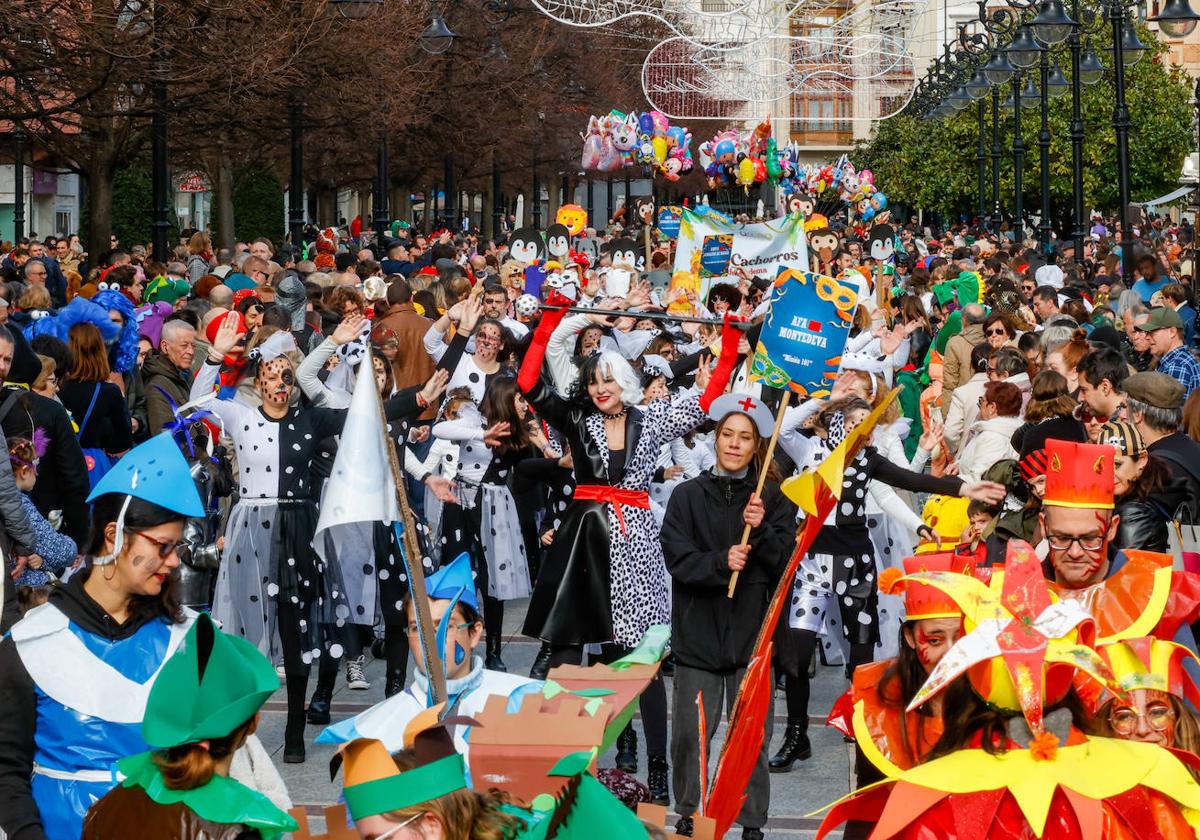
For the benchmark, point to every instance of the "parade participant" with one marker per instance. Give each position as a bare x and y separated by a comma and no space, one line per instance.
595,586
874,710
1013,760
492,441
840,568
493,347
202,708
274,593
714,634
391,582
75,673
1077,515
454,604
419,791
1158,695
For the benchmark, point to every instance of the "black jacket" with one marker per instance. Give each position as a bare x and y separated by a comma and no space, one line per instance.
709,630
62,480
1144,522
19,816
1182,455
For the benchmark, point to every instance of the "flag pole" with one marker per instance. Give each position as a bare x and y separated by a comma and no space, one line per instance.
762,474
416,572
650,316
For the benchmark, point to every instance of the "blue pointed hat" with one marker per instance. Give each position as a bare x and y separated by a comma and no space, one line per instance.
454,580
156,472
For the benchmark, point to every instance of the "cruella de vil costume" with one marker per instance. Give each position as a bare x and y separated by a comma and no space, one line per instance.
593,588
271,588
74,682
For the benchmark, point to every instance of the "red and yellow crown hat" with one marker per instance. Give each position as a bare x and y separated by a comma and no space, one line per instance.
1150,663
922,601
1079,475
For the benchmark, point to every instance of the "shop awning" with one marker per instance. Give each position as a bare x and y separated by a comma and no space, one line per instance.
1174,195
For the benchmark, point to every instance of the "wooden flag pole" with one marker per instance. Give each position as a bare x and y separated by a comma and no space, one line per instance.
646,237
416,572
762,474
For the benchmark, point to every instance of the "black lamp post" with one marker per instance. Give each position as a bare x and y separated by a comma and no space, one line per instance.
379,208
981,156
996,160
1121,124
159,177
1044,147
19,139
1018,150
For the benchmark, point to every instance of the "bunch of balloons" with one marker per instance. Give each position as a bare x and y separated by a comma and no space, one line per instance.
731,158
648,140
833,186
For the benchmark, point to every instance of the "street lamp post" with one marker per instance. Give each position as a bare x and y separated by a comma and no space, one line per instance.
1078,228
159,178
1121,124
450,203
996,160
1018,162
981,156
380,204
497,201
19,138
1044,147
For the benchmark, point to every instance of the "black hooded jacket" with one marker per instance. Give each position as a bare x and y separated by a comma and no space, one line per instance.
710,631
19,816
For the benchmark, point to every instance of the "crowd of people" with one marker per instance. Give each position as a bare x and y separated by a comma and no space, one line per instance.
172,428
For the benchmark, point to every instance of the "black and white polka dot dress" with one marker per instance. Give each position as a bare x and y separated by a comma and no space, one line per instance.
269,558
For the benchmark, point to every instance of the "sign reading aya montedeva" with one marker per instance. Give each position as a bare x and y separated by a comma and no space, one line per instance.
802,340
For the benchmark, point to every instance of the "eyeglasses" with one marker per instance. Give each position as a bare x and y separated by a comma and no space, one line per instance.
1090,543
1124,721
1000,331
165,549
413,630
392,831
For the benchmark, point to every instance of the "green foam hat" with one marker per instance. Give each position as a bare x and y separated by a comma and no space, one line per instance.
209,687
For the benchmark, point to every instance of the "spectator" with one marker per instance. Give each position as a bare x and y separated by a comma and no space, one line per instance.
1065,359
62,482
1176,297
1102,375
1149,282
964,403
1050,414
1045,303
1008,365
98,406
990,438
1154,404
957,363
412,365
1166,331
1030,345
169,368
999,331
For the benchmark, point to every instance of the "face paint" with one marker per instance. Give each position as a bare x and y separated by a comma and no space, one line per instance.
459,654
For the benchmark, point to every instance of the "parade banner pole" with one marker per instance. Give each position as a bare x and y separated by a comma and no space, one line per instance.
416,576
650,316
762,475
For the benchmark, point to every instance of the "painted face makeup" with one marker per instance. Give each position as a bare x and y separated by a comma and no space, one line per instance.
931,638
275,382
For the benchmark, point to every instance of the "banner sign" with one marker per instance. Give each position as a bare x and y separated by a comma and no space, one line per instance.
668,220
759,249
805,332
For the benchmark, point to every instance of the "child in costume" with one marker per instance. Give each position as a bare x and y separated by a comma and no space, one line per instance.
57,551
454,607
76,672
1014,761
203,707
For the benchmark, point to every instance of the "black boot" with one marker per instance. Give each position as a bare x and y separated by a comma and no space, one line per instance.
318,707
541,663
293,733
492,660
656,780
751,833
684,827
493,626
795,748
394,683
627,750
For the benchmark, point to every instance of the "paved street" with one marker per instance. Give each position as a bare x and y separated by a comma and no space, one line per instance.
811,785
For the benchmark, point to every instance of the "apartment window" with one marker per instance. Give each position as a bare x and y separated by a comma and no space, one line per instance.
62,222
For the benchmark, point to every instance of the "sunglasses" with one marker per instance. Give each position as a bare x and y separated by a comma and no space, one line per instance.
999,331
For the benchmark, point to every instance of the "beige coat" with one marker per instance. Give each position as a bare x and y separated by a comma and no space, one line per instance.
957,361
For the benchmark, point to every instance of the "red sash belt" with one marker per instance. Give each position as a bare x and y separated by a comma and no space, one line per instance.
618,497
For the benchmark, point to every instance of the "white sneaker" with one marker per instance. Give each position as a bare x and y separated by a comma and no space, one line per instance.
355,678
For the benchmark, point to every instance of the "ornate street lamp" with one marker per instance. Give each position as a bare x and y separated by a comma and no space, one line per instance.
1177,19
1052,25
